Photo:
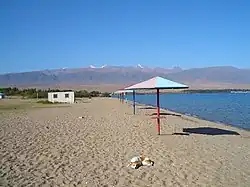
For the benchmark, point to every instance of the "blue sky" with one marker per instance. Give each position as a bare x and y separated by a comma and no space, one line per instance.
46,34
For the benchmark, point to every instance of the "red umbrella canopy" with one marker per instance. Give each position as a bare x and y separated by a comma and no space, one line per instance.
157,82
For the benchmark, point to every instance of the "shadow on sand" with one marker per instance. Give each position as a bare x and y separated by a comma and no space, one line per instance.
165,114
147,108
209,131
203,130
176,134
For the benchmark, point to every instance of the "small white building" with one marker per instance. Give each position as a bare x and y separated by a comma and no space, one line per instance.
2,95
61,97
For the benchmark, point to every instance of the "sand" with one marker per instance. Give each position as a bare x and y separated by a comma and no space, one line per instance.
54,147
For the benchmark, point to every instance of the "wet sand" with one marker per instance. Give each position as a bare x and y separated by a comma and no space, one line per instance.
53,147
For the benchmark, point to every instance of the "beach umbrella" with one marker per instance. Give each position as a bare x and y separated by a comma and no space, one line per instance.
122,93
130,91
118,93
157,83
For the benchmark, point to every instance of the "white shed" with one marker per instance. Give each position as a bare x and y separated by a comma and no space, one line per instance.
2,95
61,97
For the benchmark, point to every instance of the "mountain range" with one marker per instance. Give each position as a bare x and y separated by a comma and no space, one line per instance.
114,77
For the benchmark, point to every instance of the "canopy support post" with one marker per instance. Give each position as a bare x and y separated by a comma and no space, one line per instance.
134,100
158,111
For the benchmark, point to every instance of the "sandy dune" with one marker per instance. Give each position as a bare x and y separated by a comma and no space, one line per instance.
53,147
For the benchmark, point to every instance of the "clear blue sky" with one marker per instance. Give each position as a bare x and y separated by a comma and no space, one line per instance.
46,34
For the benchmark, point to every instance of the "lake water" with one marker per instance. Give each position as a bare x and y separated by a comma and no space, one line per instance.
228,108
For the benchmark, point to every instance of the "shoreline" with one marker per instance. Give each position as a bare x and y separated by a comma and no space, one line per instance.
190,115
56,147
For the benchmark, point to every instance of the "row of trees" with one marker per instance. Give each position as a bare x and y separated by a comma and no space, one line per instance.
34,93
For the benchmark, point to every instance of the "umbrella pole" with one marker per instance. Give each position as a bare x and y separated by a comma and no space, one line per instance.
158,111
134,100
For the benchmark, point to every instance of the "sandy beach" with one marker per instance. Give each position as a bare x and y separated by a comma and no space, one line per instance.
52,146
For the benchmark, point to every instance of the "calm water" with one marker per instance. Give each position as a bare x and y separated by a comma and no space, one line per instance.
232,109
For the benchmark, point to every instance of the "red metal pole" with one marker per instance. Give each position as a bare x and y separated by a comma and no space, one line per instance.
158,111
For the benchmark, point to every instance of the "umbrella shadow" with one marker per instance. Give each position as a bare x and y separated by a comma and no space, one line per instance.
166,114
209,131
176,134
147,108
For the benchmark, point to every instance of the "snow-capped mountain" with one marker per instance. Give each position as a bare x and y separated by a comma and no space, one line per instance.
217,77
103,66
140,66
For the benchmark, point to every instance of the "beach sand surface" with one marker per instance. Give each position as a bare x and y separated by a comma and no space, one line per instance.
54,147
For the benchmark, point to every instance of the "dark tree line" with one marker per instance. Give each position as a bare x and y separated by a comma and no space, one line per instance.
34,93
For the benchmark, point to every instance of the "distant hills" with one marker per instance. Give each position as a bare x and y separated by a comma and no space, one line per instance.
118,76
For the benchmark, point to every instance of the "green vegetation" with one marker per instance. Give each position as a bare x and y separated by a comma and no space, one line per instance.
7,106
14,104
38,93
17,105
44,102
105,94
47,102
